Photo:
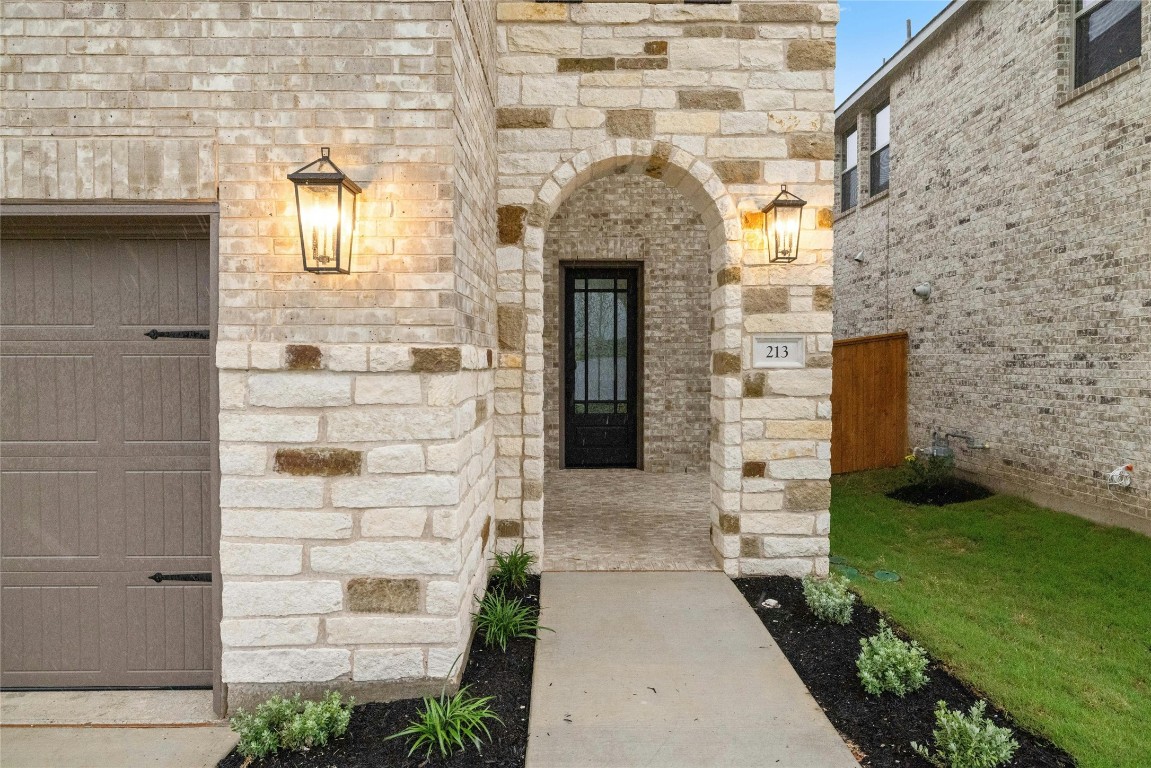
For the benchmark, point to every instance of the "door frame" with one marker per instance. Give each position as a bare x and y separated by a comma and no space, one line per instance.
104,210
638,266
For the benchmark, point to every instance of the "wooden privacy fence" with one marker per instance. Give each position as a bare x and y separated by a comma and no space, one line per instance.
869,402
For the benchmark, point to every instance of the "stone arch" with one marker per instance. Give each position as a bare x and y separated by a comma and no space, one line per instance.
701,187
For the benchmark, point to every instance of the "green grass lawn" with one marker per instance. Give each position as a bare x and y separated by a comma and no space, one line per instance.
1048,614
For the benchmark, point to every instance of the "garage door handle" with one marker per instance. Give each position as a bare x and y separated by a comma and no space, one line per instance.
158,577
154,334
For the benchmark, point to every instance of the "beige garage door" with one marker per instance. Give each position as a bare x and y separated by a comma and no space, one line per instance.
104,467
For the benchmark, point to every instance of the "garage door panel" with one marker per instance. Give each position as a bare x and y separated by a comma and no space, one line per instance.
52,628
166,398
169,513
166,628
161,282
48,398
50,514
47,283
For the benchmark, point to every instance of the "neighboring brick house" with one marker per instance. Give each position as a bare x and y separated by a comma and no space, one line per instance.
344,452
1012,143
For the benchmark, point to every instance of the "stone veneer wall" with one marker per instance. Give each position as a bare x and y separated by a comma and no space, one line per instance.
723,102
356,439
1029,215
632,217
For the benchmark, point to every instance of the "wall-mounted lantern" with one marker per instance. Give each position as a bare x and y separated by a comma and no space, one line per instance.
781,225
326,209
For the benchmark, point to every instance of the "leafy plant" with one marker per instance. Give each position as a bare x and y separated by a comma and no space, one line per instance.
930,470
887,663
449,722
511,569
292,724
829,598
500,619
967,741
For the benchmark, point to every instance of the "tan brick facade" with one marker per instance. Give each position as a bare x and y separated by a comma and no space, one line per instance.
1024,206
379,431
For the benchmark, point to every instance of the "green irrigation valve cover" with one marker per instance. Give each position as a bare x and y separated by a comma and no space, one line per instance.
846,570
887,575
837,560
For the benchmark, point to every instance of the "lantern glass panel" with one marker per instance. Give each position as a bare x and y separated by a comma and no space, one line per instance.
782,227
325,226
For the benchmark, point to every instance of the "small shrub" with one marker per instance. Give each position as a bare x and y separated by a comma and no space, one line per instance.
929,470
500,619
829,599
887,663
967,741
292,724
449,722
511,569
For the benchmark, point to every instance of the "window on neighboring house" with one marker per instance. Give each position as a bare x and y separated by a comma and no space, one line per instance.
1107,34
881,149
849,180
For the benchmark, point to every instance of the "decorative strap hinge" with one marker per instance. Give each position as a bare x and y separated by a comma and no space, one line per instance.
197,334
159,577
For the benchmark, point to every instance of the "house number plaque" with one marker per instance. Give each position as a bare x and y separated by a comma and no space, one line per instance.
777,352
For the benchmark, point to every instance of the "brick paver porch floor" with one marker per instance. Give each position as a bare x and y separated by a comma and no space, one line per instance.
626,520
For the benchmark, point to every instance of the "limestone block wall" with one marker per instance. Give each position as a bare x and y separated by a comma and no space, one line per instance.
632,217
724,102
356,440
1025,207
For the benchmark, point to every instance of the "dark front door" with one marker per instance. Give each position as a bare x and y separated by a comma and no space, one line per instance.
600,342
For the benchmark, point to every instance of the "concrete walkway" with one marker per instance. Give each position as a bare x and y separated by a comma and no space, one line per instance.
667,670
111,729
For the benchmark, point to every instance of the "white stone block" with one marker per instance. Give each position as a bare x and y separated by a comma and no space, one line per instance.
706,53
443,597
354,425
260,559
390,358
264,493
443,662
281,598
269,428
396,491
394,523
388,664
299,390
259,523
795,568
346,357
393,558
801,382
378,630
395,459
287,665
243,459
232,355
389,389
800,469
266,632
777,523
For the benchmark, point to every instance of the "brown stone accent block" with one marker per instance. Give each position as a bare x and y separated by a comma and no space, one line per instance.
519,117
538,215
718,99
632,123
821,299
510,321
599,64
772,300
739,171
507,529
739,33
810,146
768,12
436,359
754,384
485,534
822,360
749,547
318,462
481,411
723,363
658,160
807,495
754,468
728,523
303,357
638,62
703,30
824,218
729,276
510,223
372,595
533,490
811,54
655,47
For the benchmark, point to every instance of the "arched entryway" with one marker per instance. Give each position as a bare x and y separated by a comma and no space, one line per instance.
690,187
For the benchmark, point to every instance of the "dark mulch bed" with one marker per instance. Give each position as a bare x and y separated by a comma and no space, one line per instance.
490,672
951,490
880,728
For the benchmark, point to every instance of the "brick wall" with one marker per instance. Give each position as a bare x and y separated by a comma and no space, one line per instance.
724,102
631,217
1027,214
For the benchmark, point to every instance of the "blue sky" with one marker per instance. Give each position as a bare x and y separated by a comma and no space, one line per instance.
871,30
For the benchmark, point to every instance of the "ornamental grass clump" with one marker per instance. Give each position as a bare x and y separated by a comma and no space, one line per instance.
449,723
829,599
887,663
291,724
511,569
500,619
967,741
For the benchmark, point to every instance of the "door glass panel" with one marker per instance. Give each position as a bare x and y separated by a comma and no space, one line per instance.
621,408
600,283
601,345
621,284
579,307
621,346
601,407
580,408
580,284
